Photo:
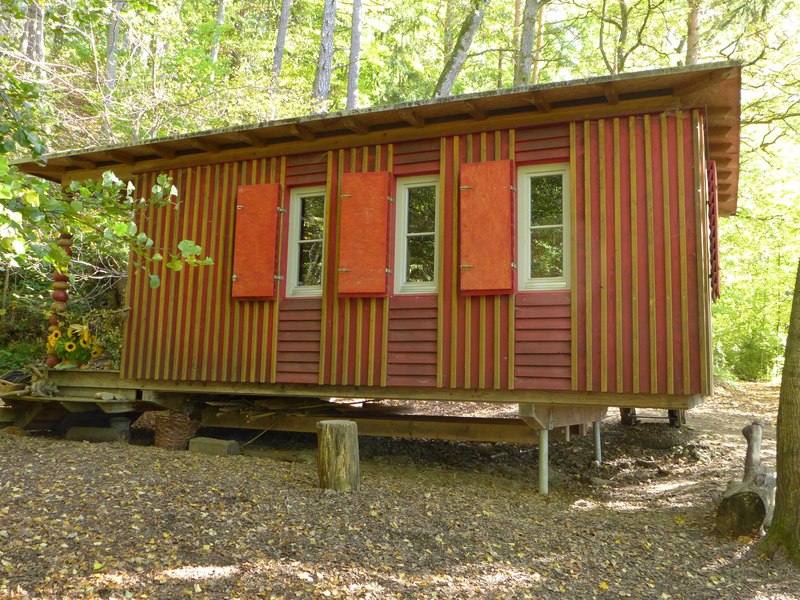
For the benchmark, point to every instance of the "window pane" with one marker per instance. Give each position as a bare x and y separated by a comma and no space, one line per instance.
422,209
310,264
312,218
547,252
546,200
421,251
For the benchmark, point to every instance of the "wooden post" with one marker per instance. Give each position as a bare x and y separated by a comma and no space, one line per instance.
337,456
748,504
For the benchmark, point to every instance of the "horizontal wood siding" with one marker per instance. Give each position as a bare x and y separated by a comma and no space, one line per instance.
542,349
299,339
411,358
645,274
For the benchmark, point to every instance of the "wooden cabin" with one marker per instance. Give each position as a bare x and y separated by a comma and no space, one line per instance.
552,246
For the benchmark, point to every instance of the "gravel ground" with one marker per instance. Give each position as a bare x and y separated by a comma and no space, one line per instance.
434,519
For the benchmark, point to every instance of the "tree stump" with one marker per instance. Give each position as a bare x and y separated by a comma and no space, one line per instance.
337,456
748,504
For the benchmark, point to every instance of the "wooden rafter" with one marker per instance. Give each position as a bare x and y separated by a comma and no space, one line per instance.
476,113
302,132
411,117
356,125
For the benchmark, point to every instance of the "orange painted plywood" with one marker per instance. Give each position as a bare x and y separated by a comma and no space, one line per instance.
364,234
255,241
486,227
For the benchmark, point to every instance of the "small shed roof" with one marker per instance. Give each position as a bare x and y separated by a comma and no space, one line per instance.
715,87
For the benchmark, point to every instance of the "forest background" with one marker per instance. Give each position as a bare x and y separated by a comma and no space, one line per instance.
78,73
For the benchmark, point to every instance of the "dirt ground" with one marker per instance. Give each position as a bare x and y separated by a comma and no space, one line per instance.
434,519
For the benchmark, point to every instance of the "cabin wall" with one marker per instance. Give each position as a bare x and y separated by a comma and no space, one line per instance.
632,321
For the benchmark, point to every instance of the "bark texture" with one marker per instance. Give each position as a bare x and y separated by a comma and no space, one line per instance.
355,57
785,530
538,54
218,30
321,90
112,45
692,33
337,456
748,504
280,41
529,18
458,56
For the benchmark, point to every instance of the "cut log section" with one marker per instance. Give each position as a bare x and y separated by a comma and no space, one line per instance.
337,456
747,505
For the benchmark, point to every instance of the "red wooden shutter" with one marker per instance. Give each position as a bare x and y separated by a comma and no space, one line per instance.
487,228
255,241
713,230
364,235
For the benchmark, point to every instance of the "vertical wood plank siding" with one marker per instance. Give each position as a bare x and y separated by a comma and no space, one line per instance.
625,325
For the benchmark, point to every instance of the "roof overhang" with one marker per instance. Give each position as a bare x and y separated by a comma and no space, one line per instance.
713,87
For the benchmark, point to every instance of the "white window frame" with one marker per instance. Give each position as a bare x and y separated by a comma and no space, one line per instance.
526,282
293,289
401,245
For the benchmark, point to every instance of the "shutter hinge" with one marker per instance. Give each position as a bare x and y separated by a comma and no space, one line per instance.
467,266
390,199
283,210
389,271
233,278
344,270
513,189
347,196
239,207
465,187
279,277
513,265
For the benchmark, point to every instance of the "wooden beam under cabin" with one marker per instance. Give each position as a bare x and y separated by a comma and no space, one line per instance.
719,132
476,113
356,125
610,90
248,138
83,163
411,117
537,99
302,132
718,112
161,150
121,157
203,144
720,146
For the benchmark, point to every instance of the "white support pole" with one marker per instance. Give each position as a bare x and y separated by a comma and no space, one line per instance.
598,450
543,461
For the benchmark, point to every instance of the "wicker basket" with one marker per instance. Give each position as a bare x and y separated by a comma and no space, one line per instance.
174,431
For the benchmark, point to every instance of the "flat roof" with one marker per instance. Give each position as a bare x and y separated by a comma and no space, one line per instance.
715,87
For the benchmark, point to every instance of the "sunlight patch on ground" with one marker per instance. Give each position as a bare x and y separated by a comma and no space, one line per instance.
195,572
659,488
622,506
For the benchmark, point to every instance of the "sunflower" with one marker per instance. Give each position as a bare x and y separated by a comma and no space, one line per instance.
56,335
70,346
78,329
86,337
84,343
97,352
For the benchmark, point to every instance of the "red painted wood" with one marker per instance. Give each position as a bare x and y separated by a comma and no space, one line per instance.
485,235
692,250
546,324
299,160
580,259
644,285
298,325
299,347
410,381
595,264
300,315
412,335
559,360
421,168
542,383
660,259
364,234
412,302
406,369
306,180
543,312
415,324
410,347
428,358
417,157
611,348
475,335
543,371
255,238
294,304
422,313
297,377
419,146
307,169
546,144
505,303
543,299
522,347
626,259
544,335
542,133
536,156
446,210
297,367
297,336
677,316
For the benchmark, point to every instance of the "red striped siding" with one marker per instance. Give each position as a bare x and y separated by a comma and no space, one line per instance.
542,344
410,362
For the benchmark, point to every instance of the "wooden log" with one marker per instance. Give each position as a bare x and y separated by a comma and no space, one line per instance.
97,434
337,456
747,505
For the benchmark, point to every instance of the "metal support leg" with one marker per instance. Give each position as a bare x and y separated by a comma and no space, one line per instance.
598,450
543,461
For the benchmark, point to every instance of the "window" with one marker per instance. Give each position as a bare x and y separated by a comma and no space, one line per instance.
544,252
416,245
306,242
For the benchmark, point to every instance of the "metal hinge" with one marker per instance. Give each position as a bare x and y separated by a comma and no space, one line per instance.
344,270
513,189
391,199
467,266
389,271
347,195
279,277
239,207
283,210
233,278
513,265
465,187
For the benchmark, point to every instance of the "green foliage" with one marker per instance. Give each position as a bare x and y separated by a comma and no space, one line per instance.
19,354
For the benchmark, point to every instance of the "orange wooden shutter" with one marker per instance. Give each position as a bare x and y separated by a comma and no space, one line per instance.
364,234
486,228
255,241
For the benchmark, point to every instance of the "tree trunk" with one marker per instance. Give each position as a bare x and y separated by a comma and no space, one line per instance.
321,90
537,57
112,46
529,17
748,504
515,40
448,28
355,57
458,56
217,30
692,34
785,530
27,46
337,456
280,41
40,50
